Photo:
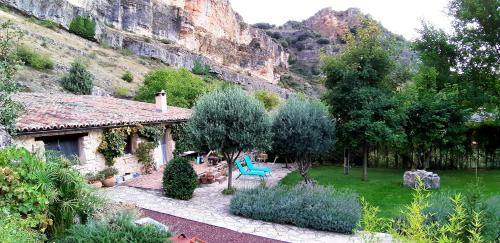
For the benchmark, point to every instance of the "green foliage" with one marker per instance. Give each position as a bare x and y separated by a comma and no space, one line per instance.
181,136
370,220
128,76
14,229
179,179
317,207
476,25
49,194
113,144
94,177
108,172
182,87
270,100
33,59
119,228
78,80
229,121
121,91
200,68
47,23
302,131
144,154
366,112
9,38
229,191
152,133
83,26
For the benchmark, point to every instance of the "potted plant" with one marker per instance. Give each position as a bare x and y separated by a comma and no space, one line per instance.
94,179
109,173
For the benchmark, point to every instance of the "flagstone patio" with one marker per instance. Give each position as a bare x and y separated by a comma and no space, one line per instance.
209,206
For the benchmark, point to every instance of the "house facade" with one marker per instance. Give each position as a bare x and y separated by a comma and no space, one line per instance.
74,126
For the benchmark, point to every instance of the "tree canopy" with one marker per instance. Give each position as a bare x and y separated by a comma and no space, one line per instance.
303,131
229,122
182,87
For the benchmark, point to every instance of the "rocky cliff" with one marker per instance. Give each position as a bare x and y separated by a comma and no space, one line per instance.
178,32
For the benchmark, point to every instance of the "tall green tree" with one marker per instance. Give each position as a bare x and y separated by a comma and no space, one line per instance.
229,122
182,87
476,25
364,109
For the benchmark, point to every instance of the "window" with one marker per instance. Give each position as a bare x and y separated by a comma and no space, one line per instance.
66,145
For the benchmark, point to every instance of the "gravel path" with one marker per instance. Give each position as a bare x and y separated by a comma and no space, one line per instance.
206,232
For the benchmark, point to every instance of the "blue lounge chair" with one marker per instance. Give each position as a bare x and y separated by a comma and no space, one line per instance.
250,165
249,172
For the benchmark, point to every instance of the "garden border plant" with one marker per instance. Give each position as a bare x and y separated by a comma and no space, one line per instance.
316,207
179,179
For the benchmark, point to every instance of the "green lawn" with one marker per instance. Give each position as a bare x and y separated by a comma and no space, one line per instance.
385,189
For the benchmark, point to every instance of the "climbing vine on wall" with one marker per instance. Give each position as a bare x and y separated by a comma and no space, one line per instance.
153,133
113,143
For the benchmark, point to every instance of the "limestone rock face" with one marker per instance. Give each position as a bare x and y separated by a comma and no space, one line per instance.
5,138
334,24
430,180
208,28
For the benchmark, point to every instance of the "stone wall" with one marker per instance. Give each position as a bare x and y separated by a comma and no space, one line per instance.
93,161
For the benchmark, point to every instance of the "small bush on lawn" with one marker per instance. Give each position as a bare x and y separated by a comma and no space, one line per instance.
120,228
179,179
33,59
316,207
78,80
82,26
128,76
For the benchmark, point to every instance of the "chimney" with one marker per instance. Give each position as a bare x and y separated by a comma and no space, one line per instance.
161,101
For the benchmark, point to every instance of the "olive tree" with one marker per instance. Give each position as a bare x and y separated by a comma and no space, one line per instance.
302,131
229,122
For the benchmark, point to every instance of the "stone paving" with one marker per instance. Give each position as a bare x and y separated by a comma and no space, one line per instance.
209,206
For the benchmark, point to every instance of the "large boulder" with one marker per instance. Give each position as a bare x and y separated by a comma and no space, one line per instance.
5,138
430,180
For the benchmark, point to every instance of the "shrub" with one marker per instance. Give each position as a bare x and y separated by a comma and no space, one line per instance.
229,191
269,100
50,194
316,207
323,41
78,80
128,76
17,230
120,228
182,87
121,91
145,156
33,59
179,179
180,134
200,68
108,172
263,26
83,26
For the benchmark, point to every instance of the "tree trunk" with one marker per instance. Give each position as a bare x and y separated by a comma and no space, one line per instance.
346,161
229,173
365,162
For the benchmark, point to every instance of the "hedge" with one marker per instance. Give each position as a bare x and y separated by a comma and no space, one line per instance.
316,207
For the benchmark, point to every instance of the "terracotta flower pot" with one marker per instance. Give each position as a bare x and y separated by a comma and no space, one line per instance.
96,184
109,182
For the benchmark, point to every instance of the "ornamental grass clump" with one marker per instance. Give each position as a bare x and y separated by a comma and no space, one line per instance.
179,179
314,207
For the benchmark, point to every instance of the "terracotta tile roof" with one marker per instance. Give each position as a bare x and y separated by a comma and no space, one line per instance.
51,112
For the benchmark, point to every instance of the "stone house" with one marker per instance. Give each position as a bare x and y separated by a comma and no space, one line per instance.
74,126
